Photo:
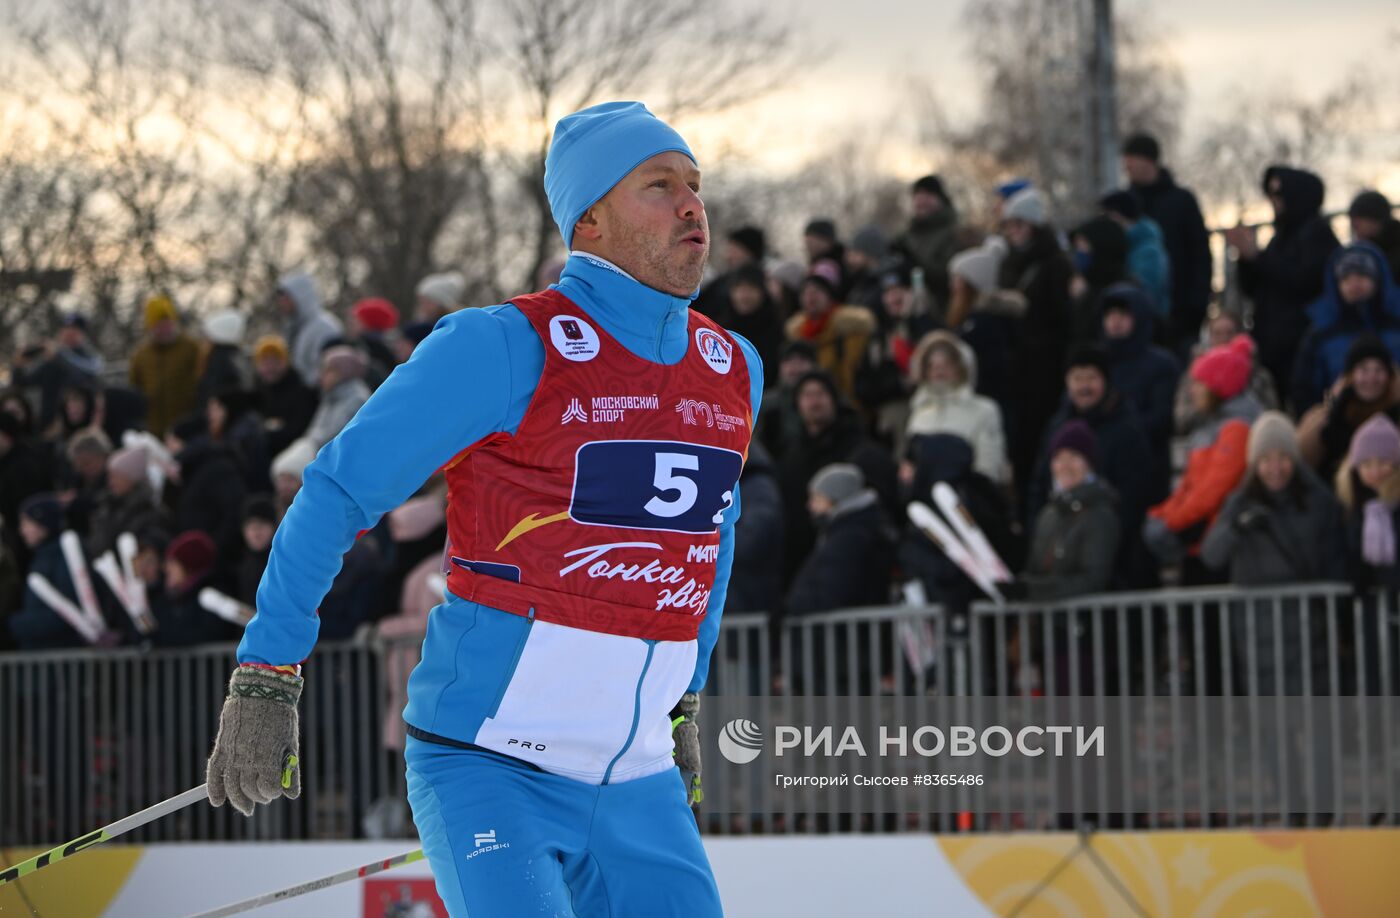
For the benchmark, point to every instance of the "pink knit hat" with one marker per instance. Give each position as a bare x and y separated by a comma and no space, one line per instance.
1225,370
1378,438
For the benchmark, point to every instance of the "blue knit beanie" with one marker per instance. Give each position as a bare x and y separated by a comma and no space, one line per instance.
594,149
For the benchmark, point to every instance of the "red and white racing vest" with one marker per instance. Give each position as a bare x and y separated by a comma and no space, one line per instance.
602,511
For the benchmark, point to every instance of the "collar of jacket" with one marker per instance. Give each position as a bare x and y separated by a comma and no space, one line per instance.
648,322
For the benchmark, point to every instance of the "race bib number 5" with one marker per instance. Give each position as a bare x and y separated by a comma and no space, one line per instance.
652,484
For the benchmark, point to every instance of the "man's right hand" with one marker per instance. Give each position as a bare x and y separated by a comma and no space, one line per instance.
255,758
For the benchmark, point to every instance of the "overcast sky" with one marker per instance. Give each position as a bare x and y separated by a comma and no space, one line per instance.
1221,46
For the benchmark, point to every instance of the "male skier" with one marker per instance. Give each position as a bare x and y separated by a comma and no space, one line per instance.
592,437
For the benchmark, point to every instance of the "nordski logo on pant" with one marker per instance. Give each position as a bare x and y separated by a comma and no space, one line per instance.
486,842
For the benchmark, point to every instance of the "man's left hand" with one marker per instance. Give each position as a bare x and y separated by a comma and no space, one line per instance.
686,733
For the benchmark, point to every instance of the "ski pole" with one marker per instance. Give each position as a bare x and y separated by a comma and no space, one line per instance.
106,833
301,889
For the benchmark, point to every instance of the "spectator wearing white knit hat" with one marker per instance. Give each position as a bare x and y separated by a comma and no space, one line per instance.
439,294
224,364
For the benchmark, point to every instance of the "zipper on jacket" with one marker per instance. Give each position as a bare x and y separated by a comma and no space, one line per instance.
636,713
514,662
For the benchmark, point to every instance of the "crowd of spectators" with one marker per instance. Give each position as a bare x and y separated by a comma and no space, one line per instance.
1104,419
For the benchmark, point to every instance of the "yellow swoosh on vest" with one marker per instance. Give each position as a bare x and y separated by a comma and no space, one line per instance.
530,522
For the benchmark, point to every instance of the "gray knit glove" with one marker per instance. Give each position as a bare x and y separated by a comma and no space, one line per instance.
686,733
255,754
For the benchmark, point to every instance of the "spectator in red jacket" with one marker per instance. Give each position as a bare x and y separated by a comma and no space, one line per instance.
1216,457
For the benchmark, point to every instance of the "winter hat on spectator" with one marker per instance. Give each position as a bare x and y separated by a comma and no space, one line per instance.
1357,259
1367,347
931,184
1077,436
1371,205
445,289
1009,187
271,346
871,241
1378,438
897,274
837,482
194,551
376,314
129,463
826,275
594,149
225,327
1273,430
344,360
1027,205
294,459
74,320
260,507
1144,145
91,441
978,267
751,240
822,228
1089,355
1225,370
159,308
788,273
1123,203
44,509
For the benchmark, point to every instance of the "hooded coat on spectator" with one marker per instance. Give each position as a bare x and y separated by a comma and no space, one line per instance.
1336,324
1188,249
948,458
956,408
1143,373
310,327
341,401
1288,273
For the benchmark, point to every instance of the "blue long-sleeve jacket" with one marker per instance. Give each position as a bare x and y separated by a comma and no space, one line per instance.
489,677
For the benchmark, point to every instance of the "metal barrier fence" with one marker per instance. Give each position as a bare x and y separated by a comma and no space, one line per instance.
89,736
